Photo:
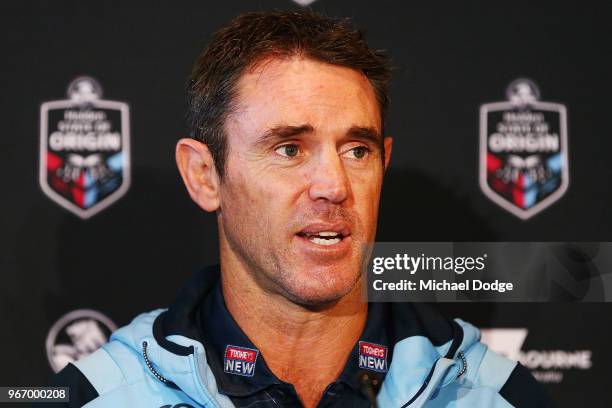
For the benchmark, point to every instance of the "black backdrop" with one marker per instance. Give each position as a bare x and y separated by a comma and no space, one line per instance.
449,59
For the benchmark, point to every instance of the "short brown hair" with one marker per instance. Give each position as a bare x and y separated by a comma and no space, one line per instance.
254,36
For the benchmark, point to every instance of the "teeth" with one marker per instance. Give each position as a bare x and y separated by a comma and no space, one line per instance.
326,241
327,234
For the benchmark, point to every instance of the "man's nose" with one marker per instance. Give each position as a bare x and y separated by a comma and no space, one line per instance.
328,179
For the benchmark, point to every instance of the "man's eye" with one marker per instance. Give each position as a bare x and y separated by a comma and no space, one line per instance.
359,152
288,150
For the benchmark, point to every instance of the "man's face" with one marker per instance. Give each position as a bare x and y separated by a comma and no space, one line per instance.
301,188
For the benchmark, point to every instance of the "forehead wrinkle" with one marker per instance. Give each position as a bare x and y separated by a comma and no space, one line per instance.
257,84
270,67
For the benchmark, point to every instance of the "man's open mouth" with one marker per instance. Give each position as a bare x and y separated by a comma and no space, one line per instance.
323,237
325,233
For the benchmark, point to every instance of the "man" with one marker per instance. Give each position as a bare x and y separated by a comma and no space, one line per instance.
288,151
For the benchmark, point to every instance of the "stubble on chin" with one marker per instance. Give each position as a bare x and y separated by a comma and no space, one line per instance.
298,288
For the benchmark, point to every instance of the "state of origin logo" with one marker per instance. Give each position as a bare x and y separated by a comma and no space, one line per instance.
523,150
84,149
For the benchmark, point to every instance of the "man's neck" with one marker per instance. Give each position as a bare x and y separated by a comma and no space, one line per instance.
306,348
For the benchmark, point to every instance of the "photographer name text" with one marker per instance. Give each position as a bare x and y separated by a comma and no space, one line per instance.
443,285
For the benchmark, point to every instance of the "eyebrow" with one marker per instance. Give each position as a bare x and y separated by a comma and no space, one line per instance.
284,131
365,133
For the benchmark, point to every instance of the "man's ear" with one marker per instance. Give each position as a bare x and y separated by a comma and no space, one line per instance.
388,142
197,168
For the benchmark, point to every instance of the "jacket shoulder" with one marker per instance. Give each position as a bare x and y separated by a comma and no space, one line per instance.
112,366
512,381
81,391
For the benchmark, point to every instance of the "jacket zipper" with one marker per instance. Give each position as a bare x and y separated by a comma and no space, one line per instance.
426,383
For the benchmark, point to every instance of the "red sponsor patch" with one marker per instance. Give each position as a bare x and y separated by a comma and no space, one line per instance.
371,349
239,353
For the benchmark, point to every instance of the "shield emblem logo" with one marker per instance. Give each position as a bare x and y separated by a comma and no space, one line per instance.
84,149
523,151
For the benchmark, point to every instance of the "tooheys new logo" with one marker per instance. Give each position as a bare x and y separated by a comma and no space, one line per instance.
372,356
523,150
240,360
547,366
84,149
